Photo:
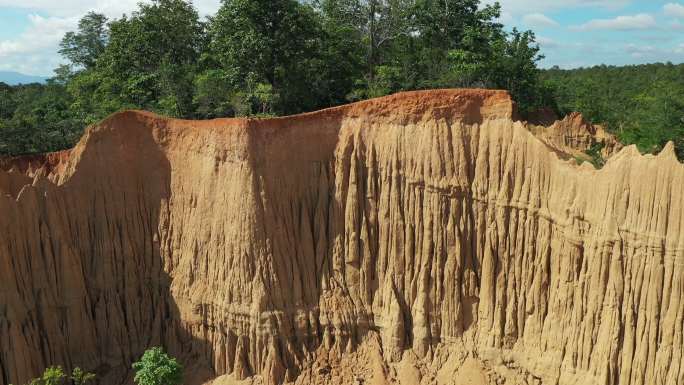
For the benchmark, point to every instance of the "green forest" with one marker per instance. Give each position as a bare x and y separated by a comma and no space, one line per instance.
269,58
642,104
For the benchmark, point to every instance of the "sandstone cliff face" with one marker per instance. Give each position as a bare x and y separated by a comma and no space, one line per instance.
31,164
424,237
574,136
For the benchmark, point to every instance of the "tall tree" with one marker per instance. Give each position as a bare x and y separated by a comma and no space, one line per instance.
343,62
516,69
268,43
152,55
377,28
84,46
387,21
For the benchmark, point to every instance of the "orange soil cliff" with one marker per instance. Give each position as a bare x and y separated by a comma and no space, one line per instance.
424,237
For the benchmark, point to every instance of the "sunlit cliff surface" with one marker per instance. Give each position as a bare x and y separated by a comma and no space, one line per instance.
425,237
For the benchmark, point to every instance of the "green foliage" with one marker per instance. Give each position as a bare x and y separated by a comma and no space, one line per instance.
266,58
643,105
157,368
342,44
151,58
35,117
593,156
83,47
55,375
456,42
503,61
81,377
261,58
268,51
213,95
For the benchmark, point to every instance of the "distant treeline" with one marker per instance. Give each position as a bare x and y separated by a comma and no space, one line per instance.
643,104
266,58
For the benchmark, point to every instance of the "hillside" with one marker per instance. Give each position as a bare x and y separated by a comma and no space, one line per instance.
15,78
424,237
642,104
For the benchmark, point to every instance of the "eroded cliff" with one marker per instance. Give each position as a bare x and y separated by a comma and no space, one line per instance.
425,237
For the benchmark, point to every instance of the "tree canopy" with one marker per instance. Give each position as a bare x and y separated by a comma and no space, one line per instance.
267,58
83,47
643,104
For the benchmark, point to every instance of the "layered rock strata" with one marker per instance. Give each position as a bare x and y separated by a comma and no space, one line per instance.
414,238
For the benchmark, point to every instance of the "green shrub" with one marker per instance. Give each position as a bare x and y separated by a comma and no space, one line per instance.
157,368
54,375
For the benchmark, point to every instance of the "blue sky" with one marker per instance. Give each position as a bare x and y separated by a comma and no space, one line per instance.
572,33
576,33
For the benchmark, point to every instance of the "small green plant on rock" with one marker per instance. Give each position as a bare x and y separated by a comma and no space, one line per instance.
81,377
596,156
54,375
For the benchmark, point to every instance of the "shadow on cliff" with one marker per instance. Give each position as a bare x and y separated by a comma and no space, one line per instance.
116,204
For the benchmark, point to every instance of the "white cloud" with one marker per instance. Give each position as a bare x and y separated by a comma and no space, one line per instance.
110,8
506,18
588,48
69,8
674,10
657,53
620,23
539,20
34,51
638,51
522,7
658,38
546,42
